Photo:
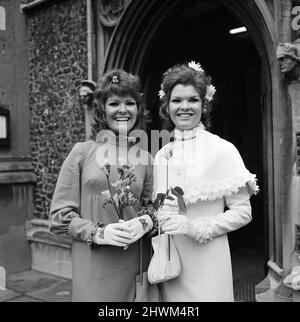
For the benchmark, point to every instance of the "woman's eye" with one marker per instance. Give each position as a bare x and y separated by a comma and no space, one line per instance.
194,100
131,103
175,100
113,104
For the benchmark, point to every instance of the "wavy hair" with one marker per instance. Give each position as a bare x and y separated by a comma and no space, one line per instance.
126,84
184,75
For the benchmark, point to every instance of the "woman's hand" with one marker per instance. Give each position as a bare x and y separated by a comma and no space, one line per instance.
177,225
166,212
138,227
116,234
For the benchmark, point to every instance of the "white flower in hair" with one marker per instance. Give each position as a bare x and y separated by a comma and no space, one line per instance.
210,92
196,66
161,93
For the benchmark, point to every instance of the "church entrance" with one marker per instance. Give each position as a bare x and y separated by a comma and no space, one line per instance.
200,31
234,64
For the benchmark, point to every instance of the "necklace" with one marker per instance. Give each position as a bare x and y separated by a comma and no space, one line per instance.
185,139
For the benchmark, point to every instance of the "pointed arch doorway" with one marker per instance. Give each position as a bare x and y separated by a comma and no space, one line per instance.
152,36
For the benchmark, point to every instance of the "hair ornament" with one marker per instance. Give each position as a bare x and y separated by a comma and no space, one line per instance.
115,80
210,92
161,93
196,66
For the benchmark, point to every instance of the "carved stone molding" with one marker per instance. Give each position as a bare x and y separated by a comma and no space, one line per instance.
107,16
270,4
110,11
289,61
86,93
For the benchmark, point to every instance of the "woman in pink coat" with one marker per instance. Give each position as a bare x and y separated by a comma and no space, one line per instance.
105,251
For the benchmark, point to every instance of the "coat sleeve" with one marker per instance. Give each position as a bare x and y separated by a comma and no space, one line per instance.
238,215
64,217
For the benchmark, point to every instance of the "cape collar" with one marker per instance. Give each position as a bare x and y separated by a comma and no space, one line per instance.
206,167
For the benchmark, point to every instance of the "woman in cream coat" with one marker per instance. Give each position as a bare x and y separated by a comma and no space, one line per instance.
212,174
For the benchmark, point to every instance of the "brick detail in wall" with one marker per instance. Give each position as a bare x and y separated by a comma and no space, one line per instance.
57,64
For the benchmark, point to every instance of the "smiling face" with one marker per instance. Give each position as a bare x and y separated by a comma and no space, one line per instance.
121,113
185,107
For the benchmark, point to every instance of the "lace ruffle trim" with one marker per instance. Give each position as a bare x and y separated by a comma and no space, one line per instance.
224,188
202,230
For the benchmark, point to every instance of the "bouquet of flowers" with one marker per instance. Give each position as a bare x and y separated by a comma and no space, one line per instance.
118,193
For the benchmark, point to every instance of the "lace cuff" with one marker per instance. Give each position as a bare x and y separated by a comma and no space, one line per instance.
90,239
202,230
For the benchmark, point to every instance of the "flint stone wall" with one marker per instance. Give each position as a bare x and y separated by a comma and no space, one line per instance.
57,64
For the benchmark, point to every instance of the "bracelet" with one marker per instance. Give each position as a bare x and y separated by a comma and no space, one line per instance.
90,239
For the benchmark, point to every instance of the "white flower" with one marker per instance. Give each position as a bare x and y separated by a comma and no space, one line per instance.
161,93
210,92
106,194
196,66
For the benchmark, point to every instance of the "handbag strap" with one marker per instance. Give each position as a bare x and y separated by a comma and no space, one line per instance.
140,279
141,259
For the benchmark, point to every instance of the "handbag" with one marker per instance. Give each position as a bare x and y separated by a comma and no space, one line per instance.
165,263
145,292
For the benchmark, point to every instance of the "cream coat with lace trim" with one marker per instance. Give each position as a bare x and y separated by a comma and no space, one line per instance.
204,165
213,175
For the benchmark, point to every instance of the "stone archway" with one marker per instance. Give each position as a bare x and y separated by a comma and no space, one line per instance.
143,19
137,31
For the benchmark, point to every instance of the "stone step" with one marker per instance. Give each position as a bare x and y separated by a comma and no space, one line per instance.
2,278
49,253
